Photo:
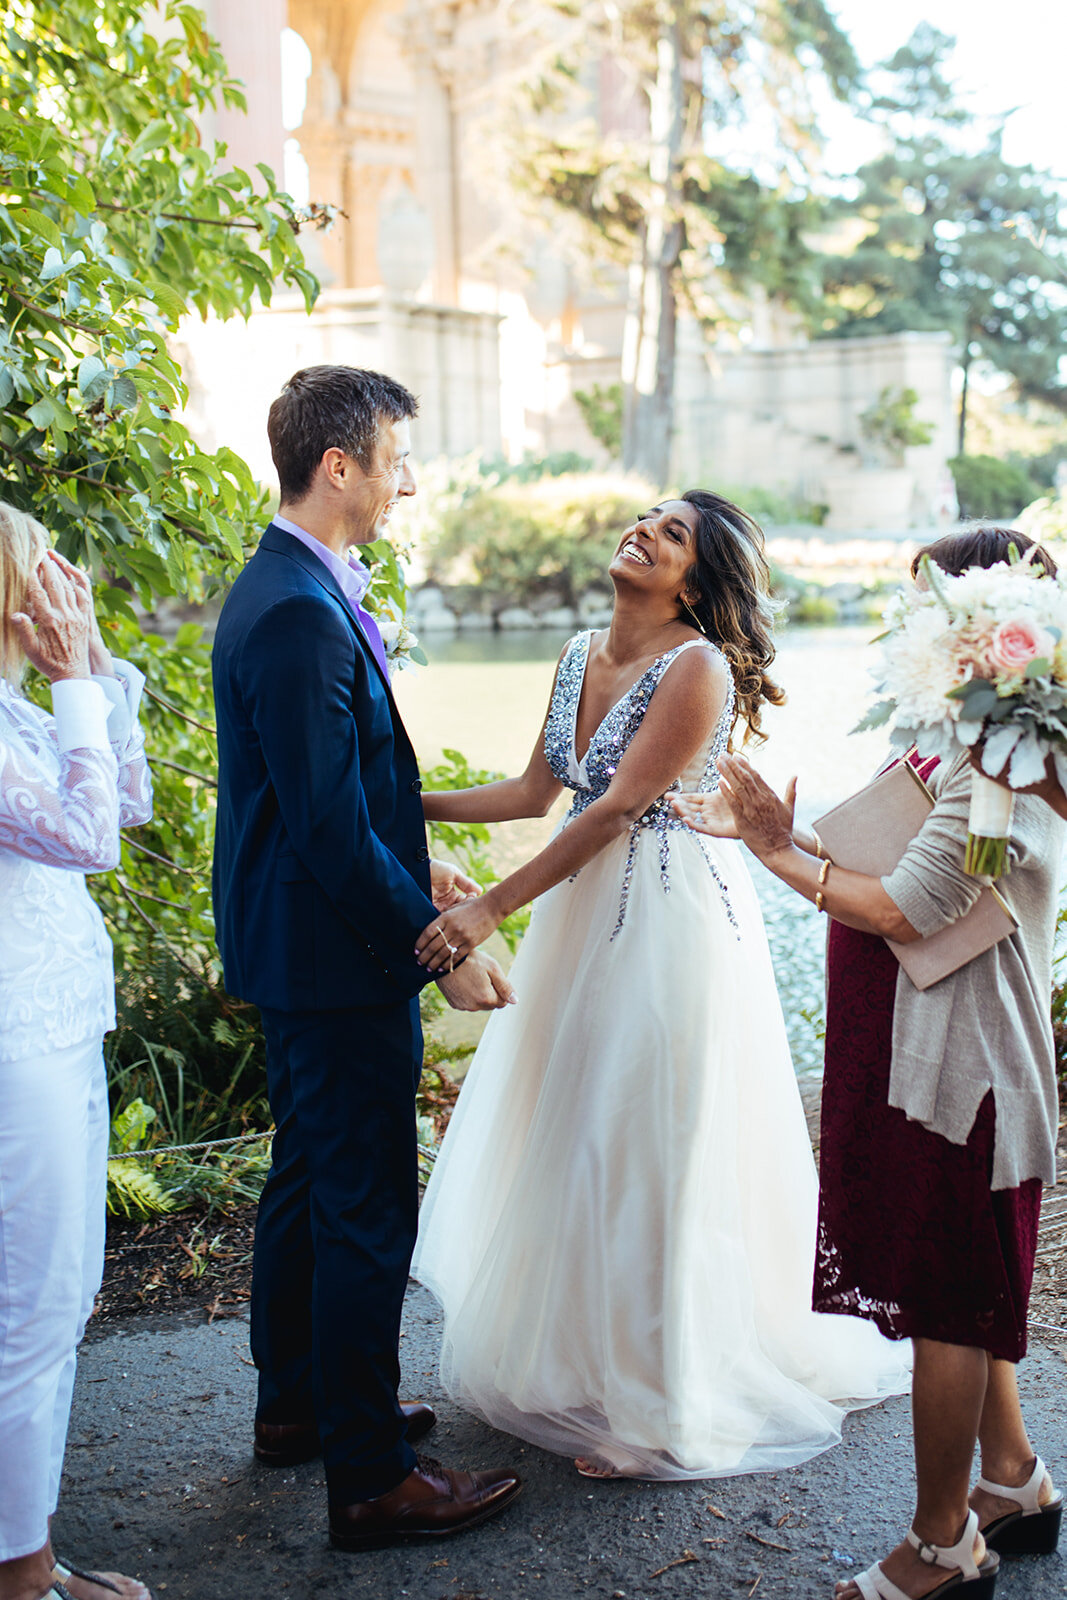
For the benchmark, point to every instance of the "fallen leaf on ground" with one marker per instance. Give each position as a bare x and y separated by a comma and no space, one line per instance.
679,1561
768,1543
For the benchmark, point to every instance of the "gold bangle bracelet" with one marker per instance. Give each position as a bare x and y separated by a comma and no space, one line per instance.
824,873
818,846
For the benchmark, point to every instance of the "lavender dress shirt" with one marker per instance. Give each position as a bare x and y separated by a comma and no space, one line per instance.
353,578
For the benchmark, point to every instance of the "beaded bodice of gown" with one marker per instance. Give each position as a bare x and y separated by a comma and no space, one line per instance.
590,777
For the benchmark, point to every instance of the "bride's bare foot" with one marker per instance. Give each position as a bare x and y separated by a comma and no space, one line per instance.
913,1576
595,1469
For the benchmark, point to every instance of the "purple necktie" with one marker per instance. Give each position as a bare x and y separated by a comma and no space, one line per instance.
374,637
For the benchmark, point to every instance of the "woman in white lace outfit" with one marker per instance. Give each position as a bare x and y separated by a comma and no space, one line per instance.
68,782
621,1223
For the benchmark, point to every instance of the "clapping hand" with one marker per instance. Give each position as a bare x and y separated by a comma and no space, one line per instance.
764,820
706,813
449,886
99,655
54,630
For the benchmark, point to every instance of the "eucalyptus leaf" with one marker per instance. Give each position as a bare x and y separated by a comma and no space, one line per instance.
979,699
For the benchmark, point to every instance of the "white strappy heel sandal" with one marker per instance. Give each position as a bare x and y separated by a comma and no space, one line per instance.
1033,1530
979,1580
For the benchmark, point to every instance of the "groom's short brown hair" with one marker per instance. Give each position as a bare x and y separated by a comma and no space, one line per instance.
331,408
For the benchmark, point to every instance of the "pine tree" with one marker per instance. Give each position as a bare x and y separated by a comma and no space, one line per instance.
690,228
955,237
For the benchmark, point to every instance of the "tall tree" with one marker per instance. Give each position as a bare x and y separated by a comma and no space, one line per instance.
691,226
955,237
115,221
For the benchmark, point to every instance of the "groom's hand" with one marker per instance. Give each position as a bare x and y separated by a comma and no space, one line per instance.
449,886
478,985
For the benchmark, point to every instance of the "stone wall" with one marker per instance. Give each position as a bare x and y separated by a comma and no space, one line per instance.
435,273
449,358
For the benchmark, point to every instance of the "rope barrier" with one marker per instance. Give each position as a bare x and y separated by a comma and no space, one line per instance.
218,1144
424,1151
183,1149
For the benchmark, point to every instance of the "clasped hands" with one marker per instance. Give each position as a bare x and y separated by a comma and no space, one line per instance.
465,918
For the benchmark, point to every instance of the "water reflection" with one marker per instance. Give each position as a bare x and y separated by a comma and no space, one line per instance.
486,694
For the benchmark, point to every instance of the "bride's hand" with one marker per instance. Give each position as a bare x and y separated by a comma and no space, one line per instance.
706,813
763,819
455,933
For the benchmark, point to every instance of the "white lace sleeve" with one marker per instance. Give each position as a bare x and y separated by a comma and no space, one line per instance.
59,801
127,741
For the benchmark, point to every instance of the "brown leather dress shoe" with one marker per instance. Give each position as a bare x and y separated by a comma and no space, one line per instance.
429,1503
286,1444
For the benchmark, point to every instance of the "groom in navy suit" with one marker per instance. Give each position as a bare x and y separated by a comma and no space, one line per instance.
322,884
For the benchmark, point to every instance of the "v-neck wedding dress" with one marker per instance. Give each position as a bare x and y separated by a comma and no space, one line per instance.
620,1225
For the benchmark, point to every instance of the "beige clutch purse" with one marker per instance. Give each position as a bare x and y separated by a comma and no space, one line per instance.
870,831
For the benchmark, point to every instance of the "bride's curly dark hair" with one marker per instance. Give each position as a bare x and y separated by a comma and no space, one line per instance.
732,604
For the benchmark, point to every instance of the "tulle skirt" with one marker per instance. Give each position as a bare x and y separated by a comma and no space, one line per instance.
621,1224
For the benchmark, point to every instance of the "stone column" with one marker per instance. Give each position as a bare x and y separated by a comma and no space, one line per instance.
250,33
428,43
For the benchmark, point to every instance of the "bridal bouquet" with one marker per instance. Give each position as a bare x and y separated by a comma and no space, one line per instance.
980,659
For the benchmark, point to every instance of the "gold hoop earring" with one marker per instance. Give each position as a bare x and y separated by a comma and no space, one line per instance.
696,620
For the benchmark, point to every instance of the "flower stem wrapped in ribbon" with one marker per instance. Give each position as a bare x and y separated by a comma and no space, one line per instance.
979,662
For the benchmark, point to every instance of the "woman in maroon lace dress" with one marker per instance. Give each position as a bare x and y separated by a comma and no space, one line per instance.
928,1220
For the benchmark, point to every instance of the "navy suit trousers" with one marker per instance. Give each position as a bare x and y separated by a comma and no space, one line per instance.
335,1233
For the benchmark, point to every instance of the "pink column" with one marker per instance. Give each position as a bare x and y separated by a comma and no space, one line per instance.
249,32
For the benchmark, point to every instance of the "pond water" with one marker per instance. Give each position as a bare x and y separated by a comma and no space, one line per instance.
486,694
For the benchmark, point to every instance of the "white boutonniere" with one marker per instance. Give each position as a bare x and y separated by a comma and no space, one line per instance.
402,648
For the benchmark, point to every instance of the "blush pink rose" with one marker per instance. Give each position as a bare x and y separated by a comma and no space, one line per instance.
1015,644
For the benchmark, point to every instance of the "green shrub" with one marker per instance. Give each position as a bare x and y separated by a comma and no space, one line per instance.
890,426
601,408
770,507
1041,468
557,464
992,490
526,543
1046,519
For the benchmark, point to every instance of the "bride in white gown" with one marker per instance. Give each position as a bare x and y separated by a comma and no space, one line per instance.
620,1226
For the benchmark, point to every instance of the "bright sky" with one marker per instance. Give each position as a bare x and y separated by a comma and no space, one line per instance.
1006,55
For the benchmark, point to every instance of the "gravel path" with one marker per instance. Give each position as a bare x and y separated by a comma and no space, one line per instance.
161,1480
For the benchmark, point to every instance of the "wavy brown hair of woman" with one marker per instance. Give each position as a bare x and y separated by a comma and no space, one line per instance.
731,582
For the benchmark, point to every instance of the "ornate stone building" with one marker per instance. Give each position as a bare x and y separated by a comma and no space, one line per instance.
434,274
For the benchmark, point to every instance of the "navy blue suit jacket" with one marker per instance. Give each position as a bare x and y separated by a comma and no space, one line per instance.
321,877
